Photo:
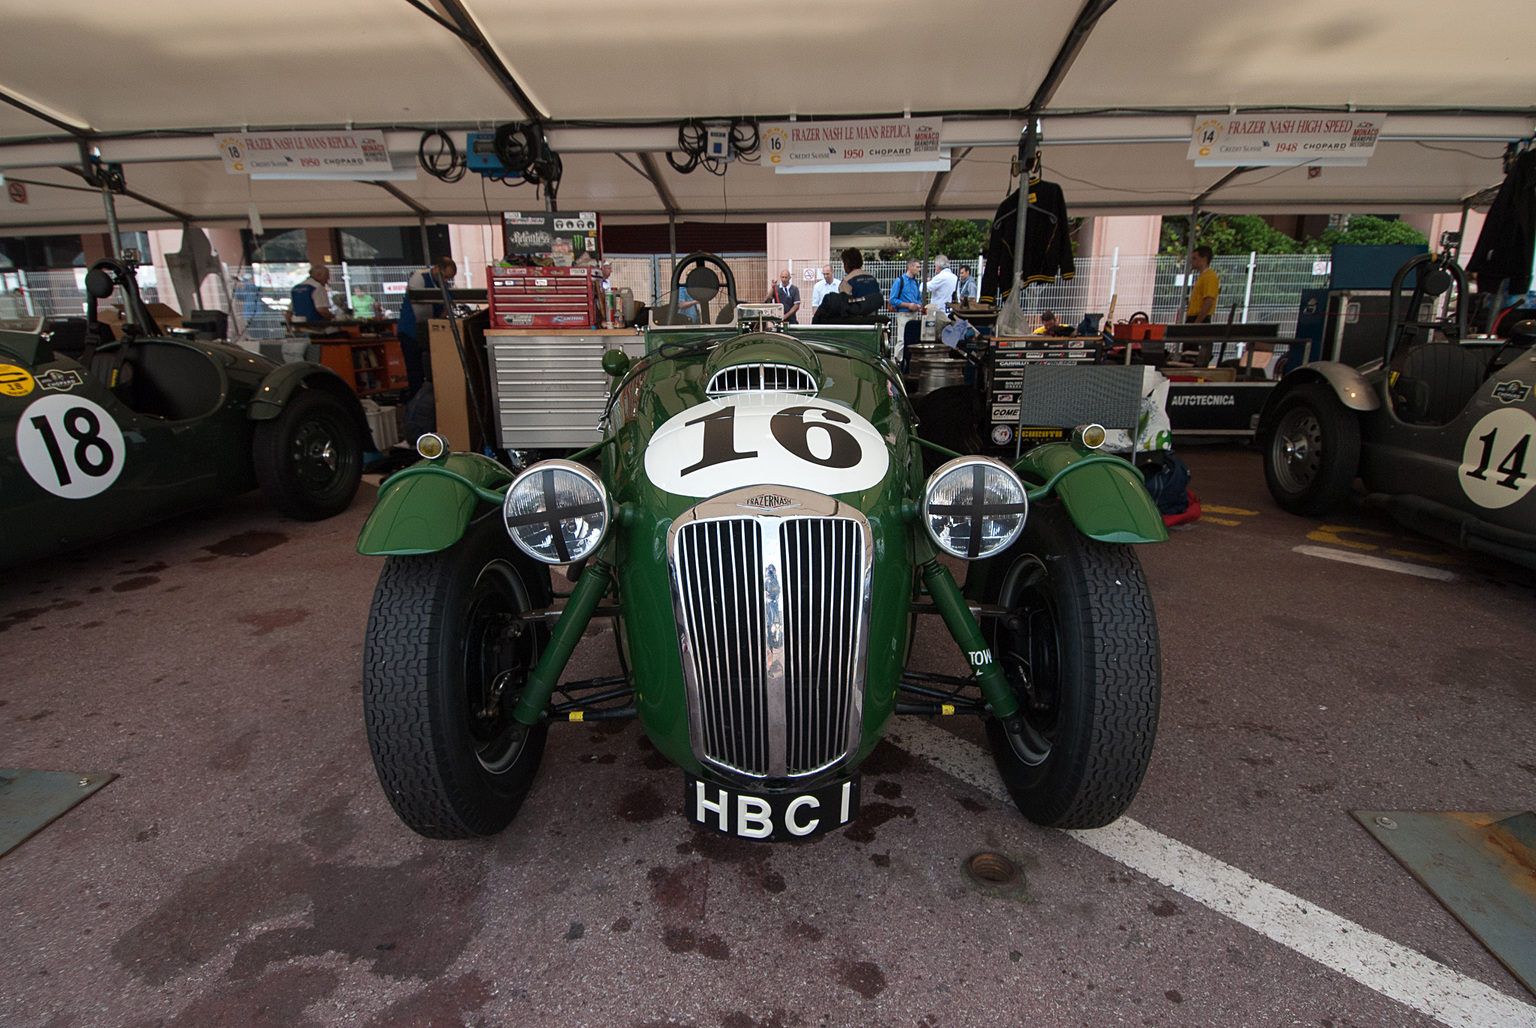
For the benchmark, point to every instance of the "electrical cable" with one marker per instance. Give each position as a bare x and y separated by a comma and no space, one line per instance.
445,164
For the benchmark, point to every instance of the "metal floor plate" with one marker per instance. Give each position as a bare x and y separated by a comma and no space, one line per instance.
29,800
1482,866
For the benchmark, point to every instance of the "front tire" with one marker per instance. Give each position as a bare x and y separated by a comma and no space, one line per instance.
1079,645
445,660
1313,452
309,459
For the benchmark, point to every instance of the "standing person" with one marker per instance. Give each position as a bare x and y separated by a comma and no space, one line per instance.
907,298
1202,298
1048,324
311,299
787,294
412,328
857,283
607,273
248,296
362,302
828,284
965,285
907,291
941,287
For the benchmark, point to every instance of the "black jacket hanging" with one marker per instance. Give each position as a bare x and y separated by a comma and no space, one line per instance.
1047,241
1504,246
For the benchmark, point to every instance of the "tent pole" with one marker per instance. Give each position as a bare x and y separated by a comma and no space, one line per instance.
426,240
927,227
111,206
1194,222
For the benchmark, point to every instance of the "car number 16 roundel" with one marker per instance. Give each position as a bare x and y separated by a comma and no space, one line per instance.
776,439
70,446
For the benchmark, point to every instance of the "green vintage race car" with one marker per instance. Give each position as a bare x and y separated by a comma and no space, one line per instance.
762,531
100,435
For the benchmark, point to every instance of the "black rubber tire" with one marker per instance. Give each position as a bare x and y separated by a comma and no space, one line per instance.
439,638
309,459
1082,633
1311,450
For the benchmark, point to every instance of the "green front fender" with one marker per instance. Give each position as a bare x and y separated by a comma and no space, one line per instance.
278,387
426,507
1103,493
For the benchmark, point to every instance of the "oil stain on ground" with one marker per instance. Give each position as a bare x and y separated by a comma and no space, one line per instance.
246,544
268,621
410,920
16,617
863,977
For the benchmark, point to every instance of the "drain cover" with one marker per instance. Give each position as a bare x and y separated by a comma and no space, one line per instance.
992,869
993,874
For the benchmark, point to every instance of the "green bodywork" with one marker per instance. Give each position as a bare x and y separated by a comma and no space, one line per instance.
1103,493
427,507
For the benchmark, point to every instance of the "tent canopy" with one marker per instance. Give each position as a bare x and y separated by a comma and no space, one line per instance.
1118,87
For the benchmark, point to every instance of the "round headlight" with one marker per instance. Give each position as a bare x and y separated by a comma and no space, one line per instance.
431,445
557,512
974,507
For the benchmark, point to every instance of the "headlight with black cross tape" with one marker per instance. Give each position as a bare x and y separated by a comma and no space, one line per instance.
974,507
557,511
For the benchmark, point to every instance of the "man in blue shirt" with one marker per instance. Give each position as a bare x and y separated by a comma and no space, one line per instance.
311,298
907,298
907,292
412,327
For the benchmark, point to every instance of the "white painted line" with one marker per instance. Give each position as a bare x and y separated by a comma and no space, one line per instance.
1368,561
1390,968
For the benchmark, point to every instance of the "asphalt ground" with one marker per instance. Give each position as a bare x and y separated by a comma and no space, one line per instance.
245,869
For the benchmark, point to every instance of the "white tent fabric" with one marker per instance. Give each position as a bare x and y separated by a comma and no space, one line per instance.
149,83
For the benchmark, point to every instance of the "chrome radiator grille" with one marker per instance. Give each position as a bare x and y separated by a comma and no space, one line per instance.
761,378
772,612
821,628
721,566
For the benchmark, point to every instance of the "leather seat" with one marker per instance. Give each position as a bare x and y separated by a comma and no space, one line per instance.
1436,382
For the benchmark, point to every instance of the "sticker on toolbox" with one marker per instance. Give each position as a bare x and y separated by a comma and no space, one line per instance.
1008,412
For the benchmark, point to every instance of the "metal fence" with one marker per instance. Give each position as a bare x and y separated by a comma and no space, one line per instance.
1254,288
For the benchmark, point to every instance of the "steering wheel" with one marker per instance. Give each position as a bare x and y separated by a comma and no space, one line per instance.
703,285
1522,335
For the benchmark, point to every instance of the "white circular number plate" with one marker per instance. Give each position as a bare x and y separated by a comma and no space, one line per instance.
1497,464
773,439
70,446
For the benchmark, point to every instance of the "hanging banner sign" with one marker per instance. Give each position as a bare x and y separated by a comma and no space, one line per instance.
866,145
247,153
1288,139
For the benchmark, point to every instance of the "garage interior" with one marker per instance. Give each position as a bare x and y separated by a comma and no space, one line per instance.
226,856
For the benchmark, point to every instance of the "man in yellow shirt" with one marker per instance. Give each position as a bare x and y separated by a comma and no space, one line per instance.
1202,298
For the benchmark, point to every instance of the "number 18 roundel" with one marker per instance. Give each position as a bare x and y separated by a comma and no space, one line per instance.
70,446
747,440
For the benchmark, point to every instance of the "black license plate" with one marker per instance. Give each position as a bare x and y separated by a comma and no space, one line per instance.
773,816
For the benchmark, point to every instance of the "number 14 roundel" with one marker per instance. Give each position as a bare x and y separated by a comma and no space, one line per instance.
70,446
1498,462
747,440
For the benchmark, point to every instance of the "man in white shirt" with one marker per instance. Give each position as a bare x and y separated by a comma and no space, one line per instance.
941,287
828,284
